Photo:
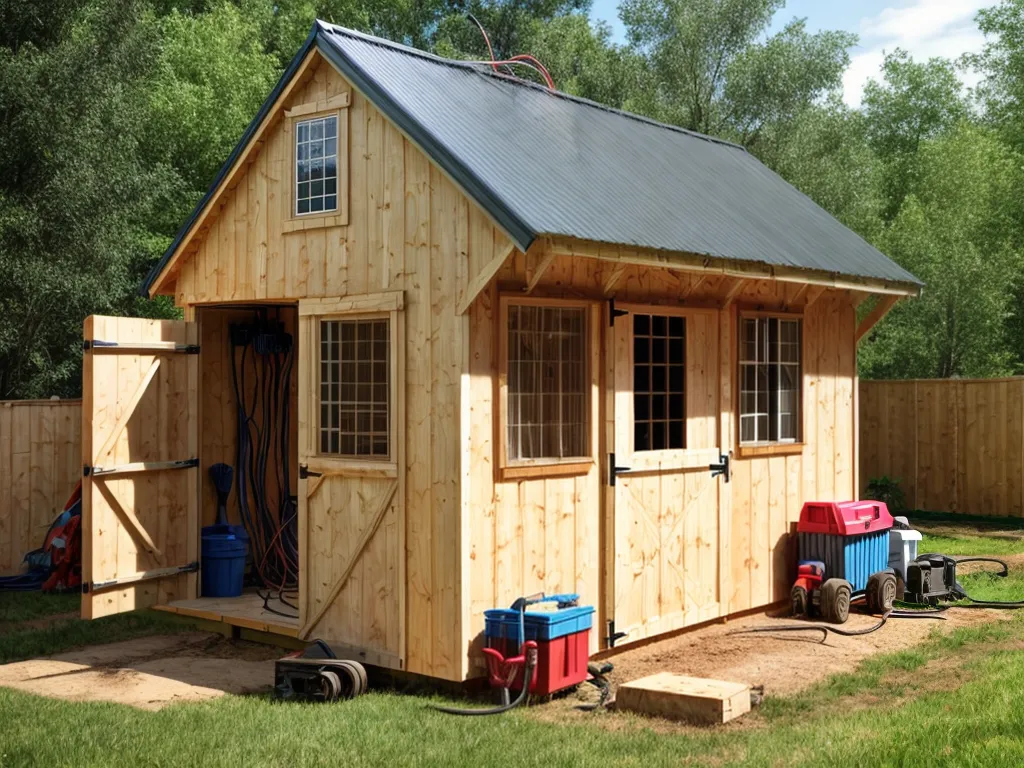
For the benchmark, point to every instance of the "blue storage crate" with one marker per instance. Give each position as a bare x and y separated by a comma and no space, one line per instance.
504,623
854,558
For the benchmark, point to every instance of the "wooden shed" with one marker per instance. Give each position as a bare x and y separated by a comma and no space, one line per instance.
525,328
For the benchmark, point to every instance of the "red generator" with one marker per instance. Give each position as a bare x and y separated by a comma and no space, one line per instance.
844,552
562,636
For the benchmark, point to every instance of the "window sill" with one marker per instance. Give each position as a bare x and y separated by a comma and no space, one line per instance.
769,449
546,468
301,224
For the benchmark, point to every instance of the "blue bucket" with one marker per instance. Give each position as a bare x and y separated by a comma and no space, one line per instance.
223,562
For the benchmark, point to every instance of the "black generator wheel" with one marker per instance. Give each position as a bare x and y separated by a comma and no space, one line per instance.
798,601
835,601
881,592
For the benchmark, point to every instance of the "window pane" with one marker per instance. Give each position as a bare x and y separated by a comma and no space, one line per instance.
770,379
659,382
546,378
316,160
355,406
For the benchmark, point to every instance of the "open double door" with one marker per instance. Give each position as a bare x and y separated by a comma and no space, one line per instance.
141,487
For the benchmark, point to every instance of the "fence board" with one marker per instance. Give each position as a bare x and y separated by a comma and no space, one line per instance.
40,462
955,445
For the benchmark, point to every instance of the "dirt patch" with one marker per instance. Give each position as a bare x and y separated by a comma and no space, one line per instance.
784,664
1013,562
149,672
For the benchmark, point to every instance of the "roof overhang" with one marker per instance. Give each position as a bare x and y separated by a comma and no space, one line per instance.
751,270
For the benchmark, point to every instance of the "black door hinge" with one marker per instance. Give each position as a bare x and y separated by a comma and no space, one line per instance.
613,312
614,470
613,636
305,472
722,468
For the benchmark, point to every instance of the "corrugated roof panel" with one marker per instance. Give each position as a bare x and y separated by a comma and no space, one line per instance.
559,165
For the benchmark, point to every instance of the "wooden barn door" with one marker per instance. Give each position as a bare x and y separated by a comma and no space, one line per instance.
664,375
351,522
140,516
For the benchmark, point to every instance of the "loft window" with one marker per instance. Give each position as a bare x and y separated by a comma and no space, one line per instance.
769,380
355,407
316,165
547,382
659,382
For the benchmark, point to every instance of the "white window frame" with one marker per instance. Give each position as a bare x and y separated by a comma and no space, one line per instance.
296,160
292,221
763,359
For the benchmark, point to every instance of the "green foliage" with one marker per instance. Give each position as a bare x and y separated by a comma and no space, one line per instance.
116,115
954,231
887,490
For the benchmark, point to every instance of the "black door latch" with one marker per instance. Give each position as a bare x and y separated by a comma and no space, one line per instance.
614,470
722,468
304,472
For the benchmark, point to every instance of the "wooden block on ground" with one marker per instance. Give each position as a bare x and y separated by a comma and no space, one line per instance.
678,697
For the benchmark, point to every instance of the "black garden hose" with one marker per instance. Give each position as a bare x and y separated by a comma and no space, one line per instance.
531,663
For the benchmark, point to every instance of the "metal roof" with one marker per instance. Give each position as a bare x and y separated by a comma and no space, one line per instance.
545,163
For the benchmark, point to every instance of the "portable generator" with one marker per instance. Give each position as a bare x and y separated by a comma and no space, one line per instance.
843,553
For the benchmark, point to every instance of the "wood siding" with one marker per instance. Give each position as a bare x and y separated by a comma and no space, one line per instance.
520,531
769,491
955,445
40,463
409,229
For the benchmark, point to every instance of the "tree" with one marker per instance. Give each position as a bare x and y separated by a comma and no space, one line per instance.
914,102
955,232
1001,62
710,72
74,197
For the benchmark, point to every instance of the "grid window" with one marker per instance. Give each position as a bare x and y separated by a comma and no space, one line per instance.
316,165
659,382
355,371
769,380
547,391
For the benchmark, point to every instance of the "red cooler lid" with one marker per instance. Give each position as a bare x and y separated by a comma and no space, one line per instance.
844,518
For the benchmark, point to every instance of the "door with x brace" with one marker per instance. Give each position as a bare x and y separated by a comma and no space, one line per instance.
140,523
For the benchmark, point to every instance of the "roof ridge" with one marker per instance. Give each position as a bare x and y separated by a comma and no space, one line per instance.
515,81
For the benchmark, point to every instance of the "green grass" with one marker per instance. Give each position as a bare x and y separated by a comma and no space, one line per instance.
51,631
877,715
25,606
955,700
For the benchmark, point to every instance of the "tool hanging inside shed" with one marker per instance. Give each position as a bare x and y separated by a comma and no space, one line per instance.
262,355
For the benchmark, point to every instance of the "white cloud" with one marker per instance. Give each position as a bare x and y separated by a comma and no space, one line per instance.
924,28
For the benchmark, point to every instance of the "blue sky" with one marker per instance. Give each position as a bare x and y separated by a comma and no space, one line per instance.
926,28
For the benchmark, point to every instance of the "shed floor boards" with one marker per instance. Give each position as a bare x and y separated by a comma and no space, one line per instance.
245,611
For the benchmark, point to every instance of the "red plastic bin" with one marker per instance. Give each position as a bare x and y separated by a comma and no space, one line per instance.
561,663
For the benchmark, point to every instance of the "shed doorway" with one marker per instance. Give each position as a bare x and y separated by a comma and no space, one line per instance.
663,375
248,412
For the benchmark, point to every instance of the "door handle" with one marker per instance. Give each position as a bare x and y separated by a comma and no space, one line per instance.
722,468
305,472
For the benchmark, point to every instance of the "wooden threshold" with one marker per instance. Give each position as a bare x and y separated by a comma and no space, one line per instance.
246,611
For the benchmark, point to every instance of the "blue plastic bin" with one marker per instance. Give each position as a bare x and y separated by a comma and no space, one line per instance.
223,563
504,623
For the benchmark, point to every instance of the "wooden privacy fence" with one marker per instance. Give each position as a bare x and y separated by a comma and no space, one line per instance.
956,445
40,462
